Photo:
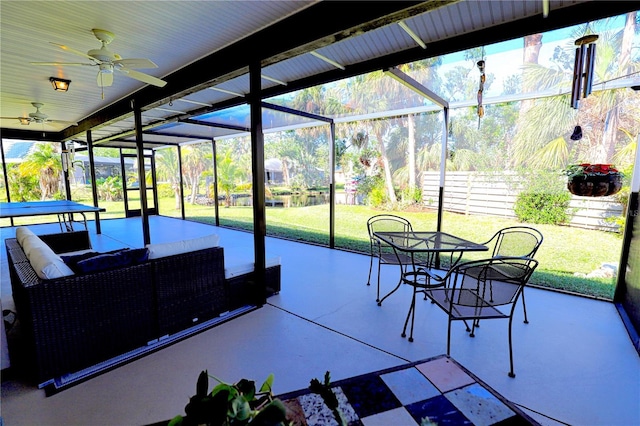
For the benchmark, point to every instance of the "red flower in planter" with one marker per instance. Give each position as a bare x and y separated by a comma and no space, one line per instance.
593,180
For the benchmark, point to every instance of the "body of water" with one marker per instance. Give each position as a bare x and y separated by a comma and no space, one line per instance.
293,200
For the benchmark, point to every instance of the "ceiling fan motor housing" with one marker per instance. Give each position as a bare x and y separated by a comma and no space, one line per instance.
103,55
106,69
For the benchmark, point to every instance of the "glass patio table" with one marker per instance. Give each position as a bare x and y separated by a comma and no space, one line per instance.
424,249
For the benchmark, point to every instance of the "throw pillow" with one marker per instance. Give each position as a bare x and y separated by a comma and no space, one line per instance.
108,261
73,259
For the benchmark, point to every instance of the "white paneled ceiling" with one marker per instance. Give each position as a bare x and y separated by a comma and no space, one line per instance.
170,33
192,35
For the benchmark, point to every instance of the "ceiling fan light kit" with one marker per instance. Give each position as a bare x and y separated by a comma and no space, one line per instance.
59,84
108,61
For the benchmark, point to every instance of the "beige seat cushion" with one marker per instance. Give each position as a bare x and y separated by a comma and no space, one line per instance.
159,250
47,264
31,243
21,233
240,267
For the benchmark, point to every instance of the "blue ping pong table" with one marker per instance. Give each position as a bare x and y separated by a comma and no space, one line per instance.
64,209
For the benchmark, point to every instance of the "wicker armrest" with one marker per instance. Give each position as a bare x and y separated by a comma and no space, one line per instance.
190,288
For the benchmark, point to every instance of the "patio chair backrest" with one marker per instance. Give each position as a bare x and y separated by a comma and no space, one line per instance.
516,241
386,223
498,280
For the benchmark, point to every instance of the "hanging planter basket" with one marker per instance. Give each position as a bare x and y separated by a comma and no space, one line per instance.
593,180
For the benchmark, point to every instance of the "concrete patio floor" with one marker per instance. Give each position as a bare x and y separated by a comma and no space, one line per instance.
574,361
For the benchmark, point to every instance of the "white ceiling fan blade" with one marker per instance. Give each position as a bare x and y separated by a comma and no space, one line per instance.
25,121
135,63
145,78
105,79
75,123
73,64
74,51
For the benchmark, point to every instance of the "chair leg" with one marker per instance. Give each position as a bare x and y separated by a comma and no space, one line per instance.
412,314
524,307
449,337
473,328
511,373
378,289
370,269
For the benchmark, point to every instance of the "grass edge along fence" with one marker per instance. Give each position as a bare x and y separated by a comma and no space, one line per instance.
565,250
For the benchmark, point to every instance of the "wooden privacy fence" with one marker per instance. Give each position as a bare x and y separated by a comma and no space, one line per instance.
495,194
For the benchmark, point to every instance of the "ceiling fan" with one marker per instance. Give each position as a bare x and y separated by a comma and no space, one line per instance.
108,62
37,117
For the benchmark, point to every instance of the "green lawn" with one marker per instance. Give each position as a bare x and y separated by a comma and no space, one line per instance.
565,250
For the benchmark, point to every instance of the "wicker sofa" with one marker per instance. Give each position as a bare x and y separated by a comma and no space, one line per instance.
75,322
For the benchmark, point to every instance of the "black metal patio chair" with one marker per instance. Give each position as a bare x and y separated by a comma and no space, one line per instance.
516,241
482,290
382,251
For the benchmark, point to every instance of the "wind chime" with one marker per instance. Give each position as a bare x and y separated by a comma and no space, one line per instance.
68,152
480,90
582,75
583,68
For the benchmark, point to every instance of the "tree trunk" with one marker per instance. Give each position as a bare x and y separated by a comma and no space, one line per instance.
387,169
611,123
176,193
412,153
609,135
627,43
531,51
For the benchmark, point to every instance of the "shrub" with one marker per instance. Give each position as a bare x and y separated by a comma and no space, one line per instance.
165,190
543,207
373,190
411,196
110,189
377,196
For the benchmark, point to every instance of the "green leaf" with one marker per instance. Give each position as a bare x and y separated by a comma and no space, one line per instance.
203,384
176,421
240,409
268,384
223,387
247,388
273,414
327,378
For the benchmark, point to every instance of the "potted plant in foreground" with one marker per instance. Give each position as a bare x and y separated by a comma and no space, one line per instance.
593,180
227,404
239,404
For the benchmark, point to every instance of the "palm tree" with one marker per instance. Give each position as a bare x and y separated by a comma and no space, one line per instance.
44,162
365,95
228,175
193,165
168,168
543,138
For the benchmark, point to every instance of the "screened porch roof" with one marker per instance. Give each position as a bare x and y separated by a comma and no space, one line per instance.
316,43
